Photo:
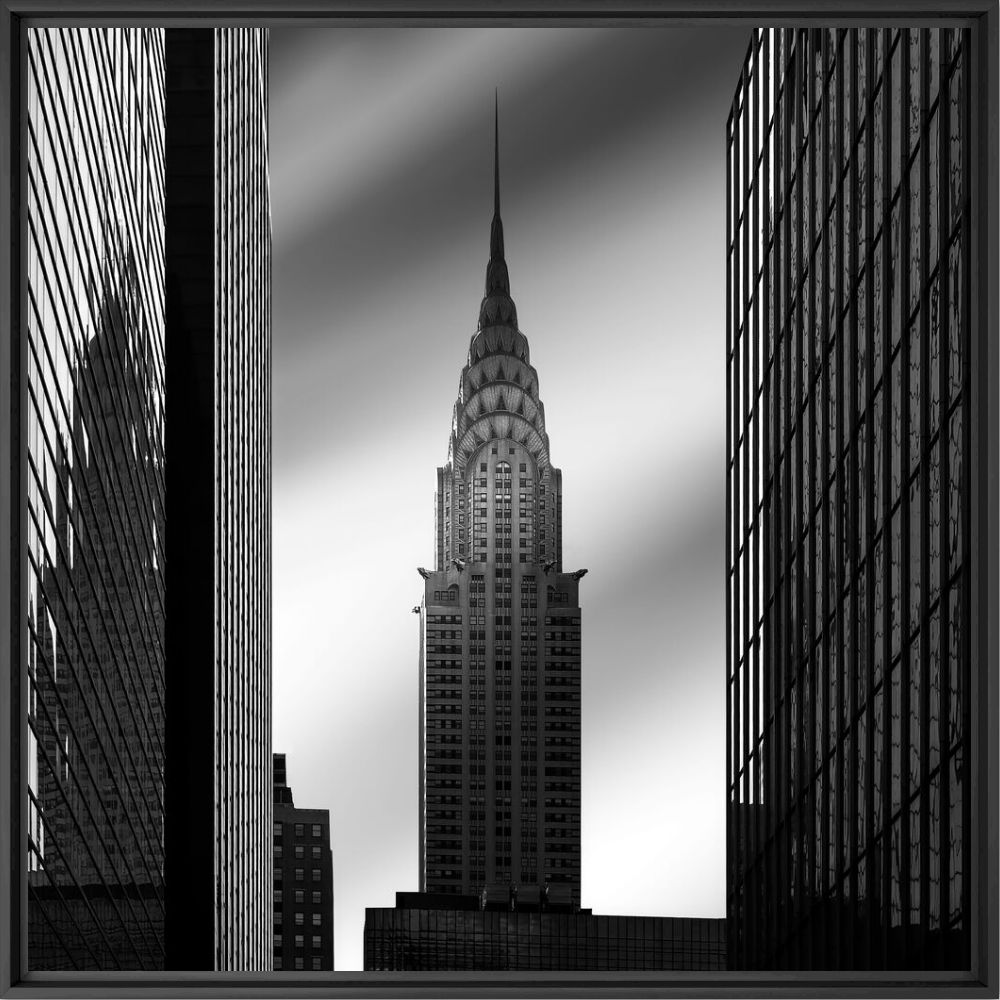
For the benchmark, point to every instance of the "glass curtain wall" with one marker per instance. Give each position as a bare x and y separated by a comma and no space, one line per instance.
848,494
94,294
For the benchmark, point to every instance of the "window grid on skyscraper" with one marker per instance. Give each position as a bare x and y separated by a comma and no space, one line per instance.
95,380
243,464
489,675
848,494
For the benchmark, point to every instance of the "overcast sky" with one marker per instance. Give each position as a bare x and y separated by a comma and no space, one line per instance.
612,164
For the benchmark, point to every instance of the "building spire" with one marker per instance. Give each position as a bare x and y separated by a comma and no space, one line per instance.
497,307
496,153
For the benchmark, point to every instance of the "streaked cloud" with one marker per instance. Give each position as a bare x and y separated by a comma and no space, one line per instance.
613,173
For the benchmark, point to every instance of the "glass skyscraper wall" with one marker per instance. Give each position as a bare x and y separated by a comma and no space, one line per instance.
848,225
500,634
218,309
94,319
144,261
244,792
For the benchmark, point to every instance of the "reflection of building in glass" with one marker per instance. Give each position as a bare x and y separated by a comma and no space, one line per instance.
500,633
848,442
105,816
218,624
442,931
98,668
95,485
303,881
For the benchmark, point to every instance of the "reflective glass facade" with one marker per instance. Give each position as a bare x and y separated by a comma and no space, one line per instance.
426,937
848,547
94,316
500,634
119,684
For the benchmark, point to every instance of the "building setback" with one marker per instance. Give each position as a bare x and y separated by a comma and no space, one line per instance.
849,419
303,881
500,632
121,736
427,931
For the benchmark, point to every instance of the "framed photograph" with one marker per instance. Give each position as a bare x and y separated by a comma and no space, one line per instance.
498,501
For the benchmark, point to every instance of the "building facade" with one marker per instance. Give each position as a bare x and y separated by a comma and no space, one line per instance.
427,931
848,597
218,627
95,665
120,743
303,881
500,632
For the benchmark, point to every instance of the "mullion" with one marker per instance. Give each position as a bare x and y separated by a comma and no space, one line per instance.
947,82
784,843
733,848
797,546
924,492
882,928
765,867
746,407
835,352
754,838
824,654
964,487
904,497
869,637
850,785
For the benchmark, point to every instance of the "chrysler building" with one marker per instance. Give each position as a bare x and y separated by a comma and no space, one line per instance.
500,634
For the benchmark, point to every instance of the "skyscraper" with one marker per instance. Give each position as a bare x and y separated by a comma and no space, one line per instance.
134,439
850,749
218,457
500,632
303,881
94,545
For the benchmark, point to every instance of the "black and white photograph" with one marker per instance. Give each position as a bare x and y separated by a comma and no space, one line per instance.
499,494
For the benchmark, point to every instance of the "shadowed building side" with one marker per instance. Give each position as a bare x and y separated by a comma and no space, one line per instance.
848,597
218,626
303,881
525,932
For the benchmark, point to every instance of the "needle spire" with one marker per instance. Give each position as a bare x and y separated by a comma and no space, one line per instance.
497,307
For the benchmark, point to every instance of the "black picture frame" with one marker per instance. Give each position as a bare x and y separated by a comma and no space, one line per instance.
982,16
